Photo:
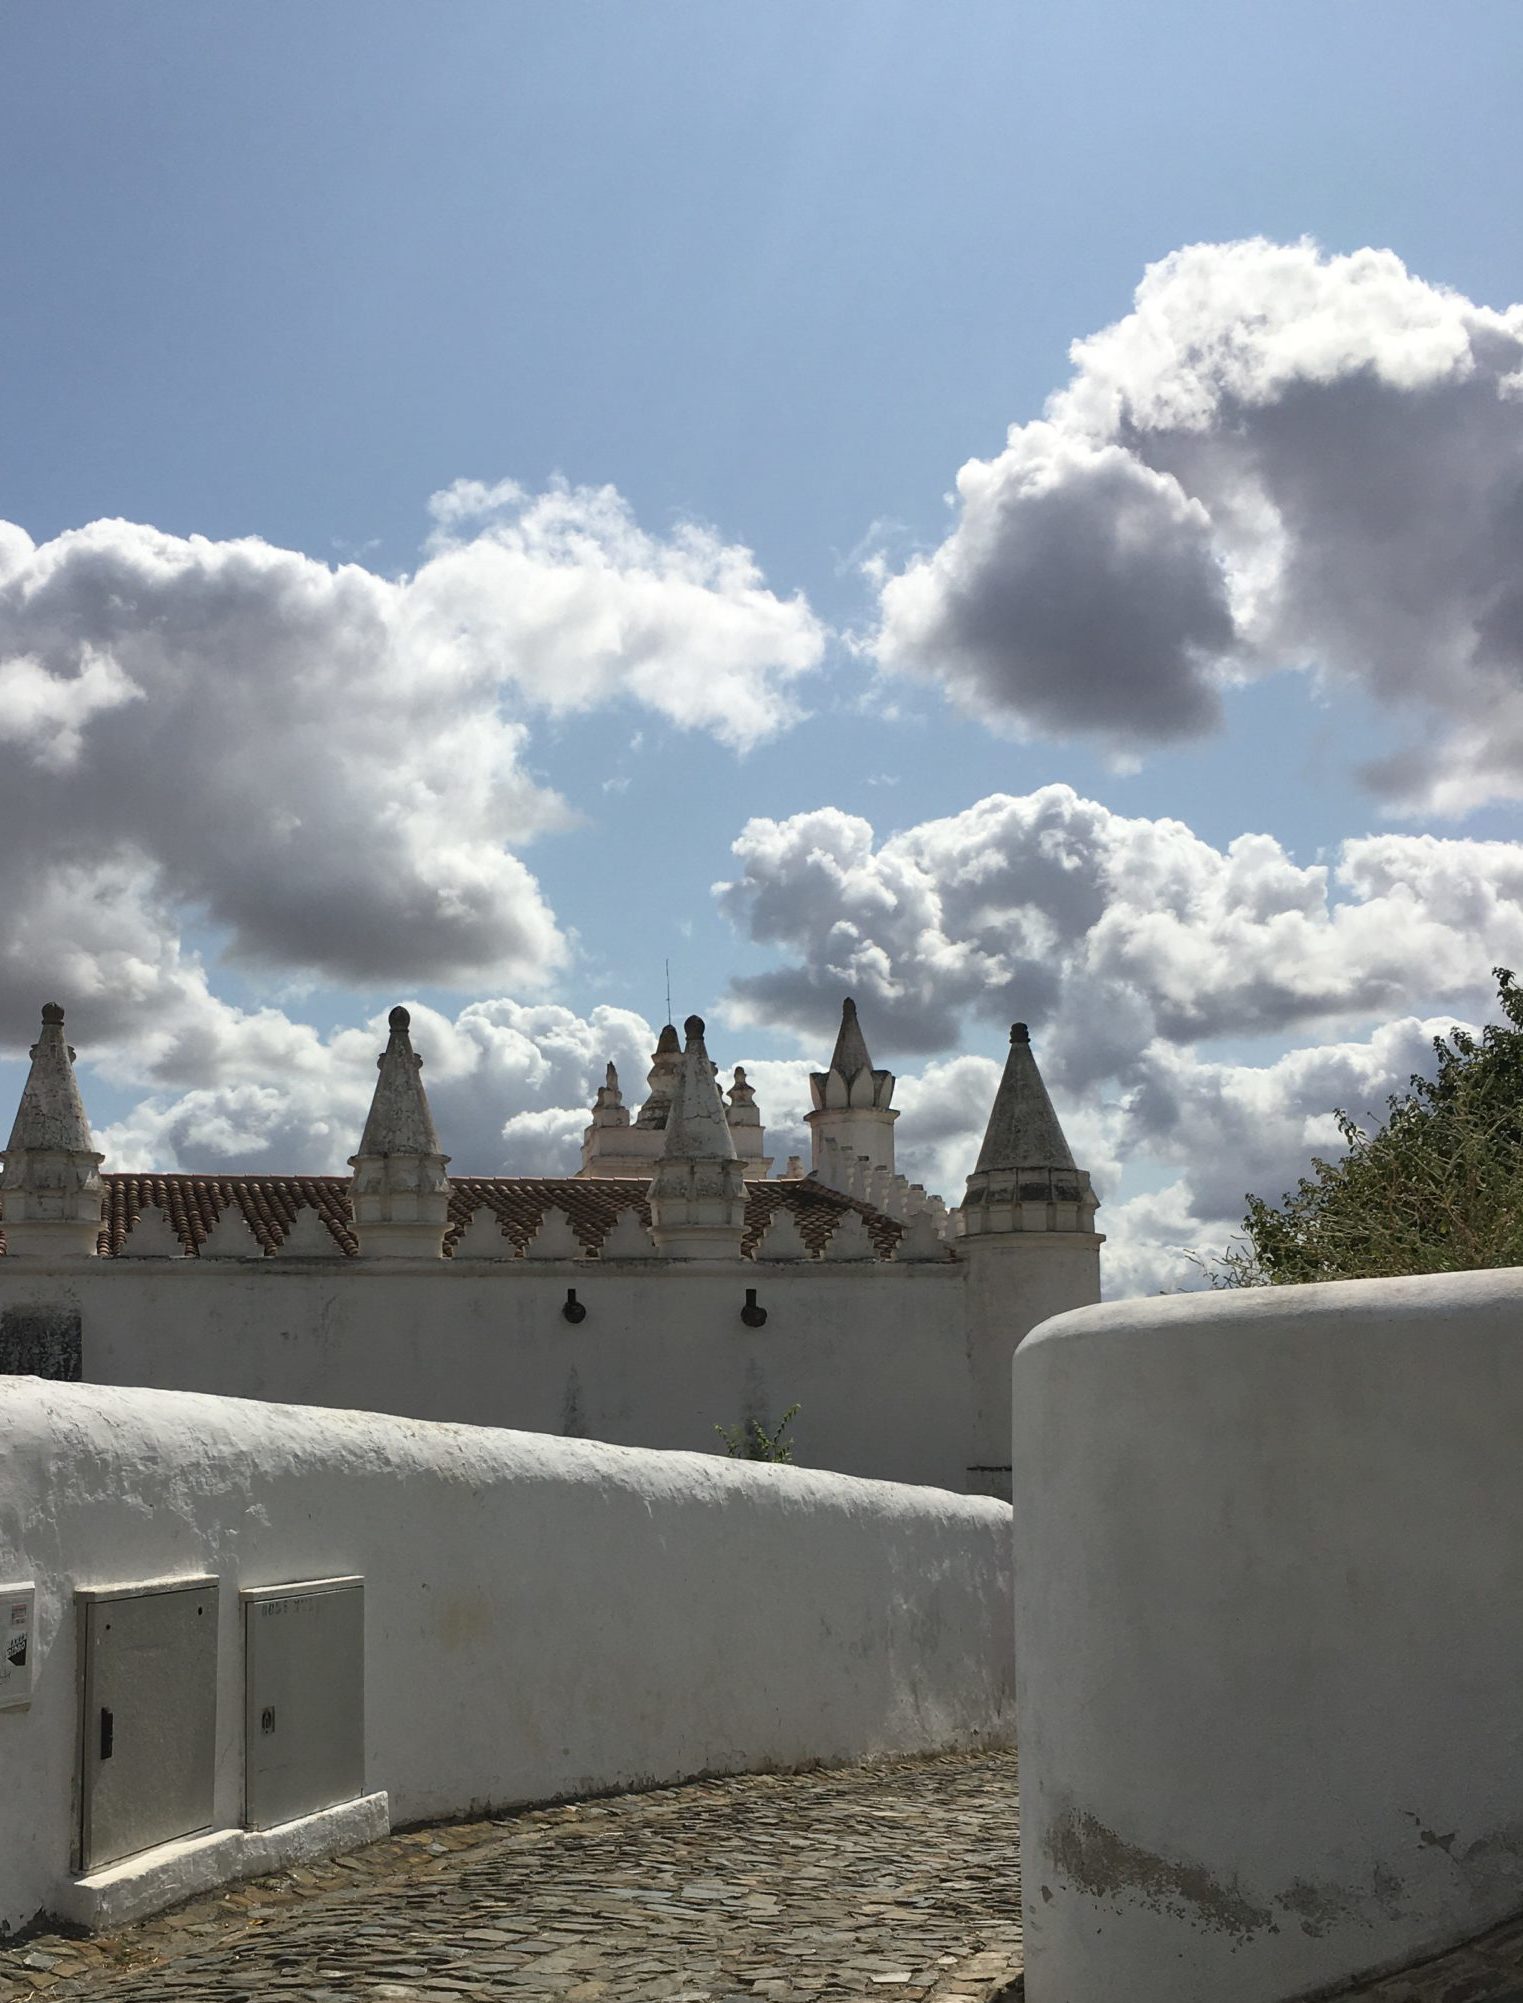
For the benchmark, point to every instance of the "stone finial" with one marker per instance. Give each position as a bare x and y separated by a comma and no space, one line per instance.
698,1192
1025,1178
50,1183
744,1116
399,1190
853,1102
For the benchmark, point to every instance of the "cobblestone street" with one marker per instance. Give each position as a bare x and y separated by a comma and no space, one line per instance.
897,1880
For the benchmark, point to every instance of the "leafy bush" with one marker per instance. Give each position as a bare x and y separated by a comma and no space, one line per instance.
1437,1189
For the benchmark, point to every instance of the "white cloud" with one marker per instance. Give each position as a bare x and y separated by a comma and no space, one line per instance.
1277,459
1108,932
326,765
510,1084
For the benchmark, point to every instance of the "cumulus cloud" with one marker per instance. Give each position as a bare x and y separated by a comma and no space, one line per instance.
326,765
510,1084
1109,932
1277,459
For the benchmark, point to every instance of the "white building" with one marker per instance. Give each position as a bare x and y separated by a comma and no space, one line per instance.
670,1287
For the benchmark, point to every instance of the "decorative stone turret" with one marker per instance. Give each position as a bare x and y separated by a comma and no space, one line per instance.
399,1190
611,1145
698,1193
852,1102
50,1184
661,1079
1026,1230
746,1127
607,1138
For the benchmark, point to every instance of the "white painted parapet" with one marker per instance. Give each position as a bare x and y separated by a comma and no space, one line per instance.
543,1617
1269,1564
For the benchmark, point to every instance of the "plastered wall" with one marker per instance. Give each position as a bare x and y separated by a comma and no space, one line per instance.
875,1354
544,1617
1269,1553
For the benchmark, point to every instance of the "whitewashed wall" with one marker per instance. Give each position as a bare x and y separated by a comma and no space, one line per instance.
876,1354
544,1617
1269,1552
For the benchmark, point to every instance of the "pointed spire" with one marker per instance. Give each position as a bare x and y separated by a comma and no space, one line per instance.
853,1103
850,1054
400,1121
1023,1130
51,1184
698,1192
399,1191
1025,1178
51,1116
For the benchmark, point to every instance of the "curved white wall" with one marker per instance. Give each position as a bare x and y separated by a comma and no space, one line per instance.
543,1617
1269,1563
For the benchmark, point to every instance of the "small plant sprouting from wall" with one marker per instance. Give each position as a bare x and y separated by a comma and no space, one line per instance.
752,1441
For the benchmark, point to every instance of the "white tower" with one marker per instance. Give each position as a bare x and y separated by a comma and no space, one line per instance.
1026,1230
50,1184
698,1192
852,1102
399,1190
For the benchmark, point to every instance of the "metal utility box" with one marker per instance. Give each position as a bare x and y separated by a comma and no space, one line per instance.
304,1684
148,1740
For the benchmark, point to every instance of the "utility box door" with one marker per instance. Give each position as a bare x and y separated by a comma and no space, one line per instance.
305,1688
149,1741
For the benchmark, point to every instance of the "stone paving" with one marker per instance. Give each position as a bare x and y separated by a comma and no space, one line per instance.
897,1880
1489,1970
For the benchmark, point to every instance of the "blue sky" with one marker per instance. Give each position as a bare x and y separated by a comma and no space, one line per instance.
779,272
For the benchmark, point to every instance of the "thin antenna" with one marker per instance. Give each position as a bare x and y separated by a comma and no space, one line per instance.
668,990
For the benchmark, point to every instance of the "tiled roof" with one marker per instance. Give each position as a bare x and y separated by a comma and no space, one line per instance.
269,1204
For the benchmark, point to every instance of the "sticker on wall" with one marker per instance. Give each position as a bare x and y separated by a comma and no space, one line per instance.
18,1623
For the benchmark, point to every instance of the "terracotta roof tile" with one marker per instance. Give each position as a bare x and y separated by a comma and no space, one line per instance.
269,1204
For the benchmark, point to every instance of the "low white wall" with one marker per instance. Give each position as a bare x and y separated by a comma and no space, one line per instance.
543,1617
875,1353
1269,1563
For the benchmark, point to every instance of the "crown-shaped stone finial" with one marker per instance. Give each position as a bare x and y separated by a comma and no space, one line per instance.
853,1103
